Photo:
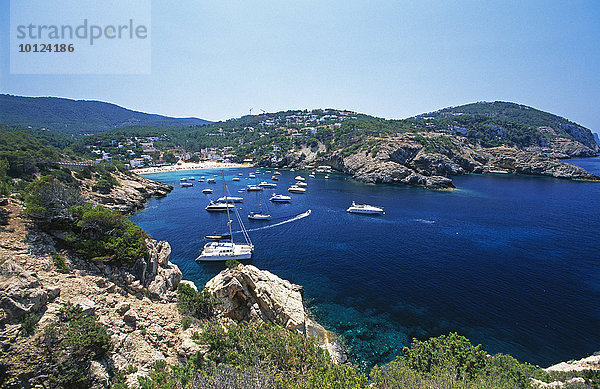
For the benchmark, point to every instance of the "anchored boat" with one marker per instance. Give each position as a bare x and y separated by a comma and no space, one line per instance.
365,209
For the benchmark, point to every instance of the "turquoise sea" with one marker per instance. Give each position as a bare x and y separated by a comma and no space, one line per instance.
511,262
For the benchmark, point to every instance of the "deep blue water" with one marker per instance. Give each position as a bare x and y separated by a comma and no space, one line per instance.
511,262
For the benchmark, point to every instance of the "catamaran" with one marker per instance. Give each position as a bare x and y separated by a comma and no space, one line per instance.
223,248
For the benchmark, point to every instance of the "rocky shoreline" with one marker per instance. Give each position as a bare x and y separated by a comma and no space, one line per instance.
430,161
128,196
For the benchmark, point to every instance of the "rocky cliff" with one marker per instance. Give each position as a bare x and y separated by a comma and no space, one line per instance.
137,306
429,160
251,294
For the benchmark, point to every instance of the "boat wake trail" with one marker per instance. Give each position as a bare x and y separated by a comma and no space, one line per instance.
297,217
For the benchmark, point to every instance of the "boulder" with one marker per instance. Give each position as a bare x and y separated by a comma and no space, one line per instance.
250,294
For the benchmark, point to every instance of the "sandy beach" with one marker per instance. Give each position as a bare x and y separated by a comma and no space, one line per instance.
189,166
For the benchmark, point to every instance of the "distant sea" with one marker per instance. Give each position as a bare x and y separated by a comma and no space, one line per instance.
511,262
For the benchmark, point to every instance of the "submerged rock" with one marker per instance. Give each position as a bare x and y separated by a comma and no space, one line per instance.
250,294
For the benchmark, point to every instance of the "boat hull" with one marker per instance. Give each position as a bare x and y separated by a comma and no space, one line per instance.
218,251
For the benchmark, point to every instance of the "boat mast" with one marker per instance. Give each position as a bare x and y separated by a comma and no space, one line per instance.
227,206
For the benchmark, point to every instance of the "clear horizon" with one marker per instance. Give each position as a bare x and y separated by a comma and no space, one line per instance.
388,59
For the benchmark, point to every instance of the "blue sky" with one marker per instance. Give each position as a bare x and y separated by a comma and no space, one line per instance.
218,59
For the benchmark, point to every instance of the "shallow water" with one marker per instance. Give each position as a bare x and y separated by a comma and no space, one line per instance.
511,262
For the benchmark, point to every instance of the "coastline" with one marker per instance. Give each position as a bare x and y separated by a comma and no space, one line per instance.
189,166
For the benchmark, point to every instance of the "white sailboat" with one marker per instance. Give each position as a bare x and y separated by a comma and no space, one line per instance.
223,250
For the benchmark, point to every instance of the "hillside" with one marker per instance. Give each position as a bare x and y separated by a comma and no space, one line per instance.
78,117
500,112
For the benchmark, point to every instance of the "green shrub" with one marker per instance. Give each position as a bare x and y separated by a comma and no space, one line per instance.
231,263
453,351
47,202
186,322
103,186
29,322
101,233
197,304
59,263
71,344
452,362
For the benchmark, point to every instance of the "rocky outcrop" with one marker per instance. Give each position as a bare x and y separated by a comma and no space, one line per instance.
589,363
564,148
251,294
511,160
128,196
430,159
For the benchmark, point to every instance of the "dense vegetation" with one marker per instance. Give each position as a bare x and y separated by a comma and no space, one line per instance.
78,117
94,231
251,355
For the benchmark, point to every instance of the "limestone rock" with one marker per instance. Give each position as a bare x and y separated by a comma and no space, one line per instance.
589,363
20,291
99,375
123,307
250,294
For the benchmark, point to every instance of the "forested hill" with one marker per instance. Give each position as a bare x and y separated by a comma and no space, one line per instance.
500,111
79,117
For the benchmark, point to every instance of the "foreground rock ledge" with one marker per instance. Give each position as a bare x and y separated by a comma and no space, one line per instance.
250,294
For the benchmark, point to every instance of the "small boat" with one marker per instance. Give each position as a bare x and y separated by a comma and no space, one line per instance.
230,199
326,176
200,179
265,184
296,189
218,237
207,191
252,175
236,178
365,209
251,188
275,178
183,179
186,184
257,172
258,216
300,183
240,174
277,198
277,173
211,181
192,178
311,175
299,178
218,207
268,171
